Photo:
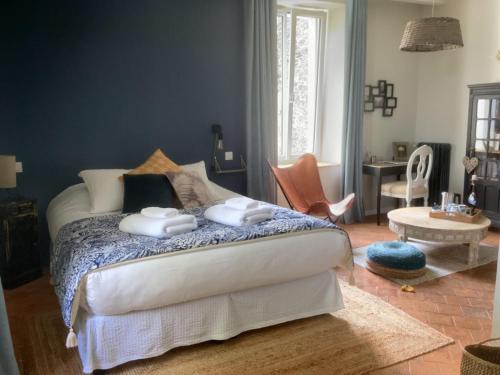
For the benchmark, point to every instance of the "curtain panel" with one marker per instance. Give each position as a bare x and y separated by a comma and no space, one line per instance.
260,97
8,365
352,147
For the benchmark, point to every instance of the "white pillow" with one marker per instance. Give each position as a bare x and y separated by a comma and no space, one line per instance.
201,170
105,189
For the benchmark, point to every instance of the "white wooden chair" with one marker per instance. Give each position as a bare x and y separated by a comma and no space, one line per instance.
417,187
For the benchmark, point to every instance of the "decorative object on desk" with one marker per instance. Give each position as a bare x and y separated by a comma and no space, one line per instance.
430,34
380,96
7,171
19,258
400,151
218,145
387,112
470,163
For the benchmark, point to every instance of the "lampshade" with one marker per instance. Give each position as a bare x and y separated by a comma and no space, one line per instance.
432,34
7,171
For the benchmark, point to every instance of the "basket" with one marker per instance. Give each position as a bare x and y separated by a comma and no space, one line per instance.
480,359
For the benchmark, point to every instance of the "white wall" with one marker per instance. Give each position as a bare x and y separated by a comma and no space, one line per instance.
384,61
442,105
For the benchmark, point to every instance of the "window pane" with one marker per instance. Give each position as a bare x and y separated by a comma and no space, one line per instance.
495,129
493,147
481,146
482,129
304,85
495,108
483,108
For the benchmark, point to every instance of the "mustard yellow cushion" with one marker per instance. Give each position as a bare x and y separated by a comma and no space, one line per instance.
157,163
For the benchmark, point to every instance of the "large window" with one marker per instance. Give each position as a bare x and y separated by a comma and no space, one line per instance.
300,62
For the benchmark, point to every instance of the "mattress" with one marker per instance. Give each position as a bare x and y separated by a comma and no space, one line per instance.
178,277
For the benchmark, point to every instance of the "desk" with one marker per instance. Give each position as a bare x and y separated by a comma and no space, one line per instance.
380,169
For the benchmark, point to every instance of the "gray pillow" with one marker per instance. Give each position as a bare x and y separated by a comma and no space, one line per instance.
191,189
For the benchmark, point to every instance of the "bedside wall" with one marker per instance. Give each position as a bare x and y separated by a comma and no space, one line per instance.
103,84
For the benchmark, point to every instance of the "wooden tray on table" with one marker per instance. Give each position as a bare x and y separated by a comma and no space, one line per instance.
455,216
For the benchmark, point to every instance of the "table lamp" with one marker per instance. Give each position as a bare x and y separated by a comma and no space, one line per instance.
7,171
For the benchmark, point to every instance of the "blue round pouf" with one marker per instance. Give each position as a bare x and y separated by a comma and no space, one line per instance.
396,255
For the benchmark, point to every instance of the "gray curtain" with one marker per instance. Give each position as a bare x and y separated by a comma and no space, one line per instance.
260,97
8,365
352,148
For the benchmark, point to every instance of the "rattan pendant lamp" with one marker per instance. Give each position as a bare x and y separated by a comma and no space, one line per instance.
432,34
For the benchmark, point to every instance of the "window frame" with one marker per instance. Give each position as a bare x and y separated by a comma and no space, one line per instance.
321,15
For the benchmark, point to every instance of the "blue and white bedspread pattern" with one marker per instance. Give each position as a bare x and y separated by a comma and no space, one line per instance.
88,244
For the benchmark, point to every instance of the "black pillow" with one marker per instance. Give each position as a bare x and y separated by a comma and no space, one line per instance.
147,190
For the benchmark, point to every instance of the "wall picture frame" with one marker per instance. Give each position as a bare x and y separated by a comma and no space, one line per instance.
379,101
369,106
382,86
400,151
391,102
389,90
387,112
368,93
375,91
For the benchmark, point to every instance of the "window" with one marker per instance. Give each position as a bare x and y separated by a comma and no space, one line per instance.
300,42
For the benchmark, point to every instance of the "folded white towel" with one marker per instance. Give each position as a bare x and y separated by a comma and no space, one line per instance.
159,213
153,227
242,203
229,216
180,229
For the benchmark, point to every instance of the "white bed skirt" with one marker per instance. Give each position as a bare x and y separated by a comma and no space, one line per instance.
108,341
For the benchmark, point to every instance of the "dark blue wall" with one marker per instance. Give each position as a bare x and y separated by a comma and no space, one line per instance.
102,84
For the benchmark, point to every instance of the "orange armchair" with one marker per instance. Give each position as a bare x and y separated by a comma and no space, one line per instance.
302,188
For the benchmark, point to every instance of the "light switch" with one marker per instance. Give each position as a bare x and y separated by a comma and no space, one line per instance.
19,167
228,155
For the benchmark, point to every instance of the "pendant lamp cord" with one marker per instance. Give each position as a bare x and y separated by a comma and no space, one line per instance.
433,3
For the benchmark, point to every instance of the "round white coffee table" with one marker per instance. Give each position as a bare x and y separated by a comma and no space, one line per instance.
414,222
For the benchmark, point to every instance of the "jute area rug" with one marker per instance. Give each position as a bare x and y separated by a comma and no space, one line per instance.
441,259
368,334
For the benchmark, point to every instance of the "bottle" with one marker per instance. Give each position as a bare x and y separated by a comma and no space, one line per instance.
472,199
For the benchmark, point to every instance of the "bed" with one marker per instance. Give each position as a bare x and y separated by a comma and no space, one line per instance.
142,307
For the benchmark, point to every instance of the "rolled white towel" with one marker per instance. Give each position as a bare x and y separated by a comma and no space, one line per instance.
153,227
159,212
229,216
242,203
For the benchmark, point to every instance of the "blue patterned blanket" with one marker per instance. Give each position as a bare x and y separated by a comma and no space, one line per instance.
88,244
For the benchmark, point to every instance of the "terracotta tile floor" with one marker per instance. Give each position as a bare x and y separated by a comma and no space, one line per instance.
459,305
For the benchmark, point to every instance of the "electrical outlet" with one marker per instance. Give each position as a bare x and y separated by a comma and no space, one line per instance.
228,155
19,167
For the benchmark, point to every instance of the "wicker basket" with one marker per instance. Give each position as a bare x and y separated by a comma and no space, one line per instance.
480,359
